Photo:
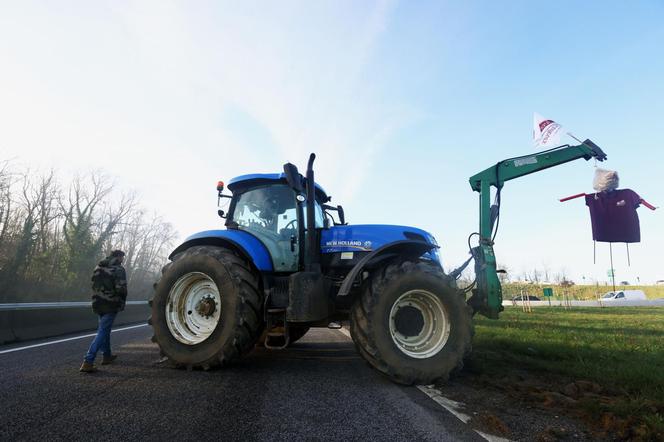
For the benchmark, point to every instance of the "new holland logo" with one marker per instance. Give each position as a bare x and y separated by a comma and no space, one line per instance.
352,244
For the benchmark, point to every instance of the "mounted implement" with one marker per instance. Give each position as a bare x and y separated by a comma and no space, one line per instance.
288,261
487,296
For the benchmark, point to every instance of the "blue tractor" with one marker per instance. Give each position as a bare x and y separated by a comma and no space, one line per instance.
288,261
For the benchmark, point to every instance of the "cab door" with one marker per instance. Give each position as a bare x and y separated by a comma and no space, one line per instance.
269,212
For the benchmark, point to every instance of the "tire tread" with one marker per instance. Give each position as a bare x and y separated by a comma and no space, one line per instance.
248,311
362,315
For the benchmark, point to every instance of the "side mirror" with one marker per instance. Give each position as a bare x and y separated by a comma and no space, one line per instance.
342,217
340,213
293,177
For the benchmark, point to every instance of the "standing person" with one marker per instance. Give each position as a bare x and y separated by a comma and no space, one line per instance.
109,285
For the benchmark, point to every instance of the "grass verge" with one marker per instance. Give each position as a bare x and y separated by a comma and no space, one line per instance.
604,365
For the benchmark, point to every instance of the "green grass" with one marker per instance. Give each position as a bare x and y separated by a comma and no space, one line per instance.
621,349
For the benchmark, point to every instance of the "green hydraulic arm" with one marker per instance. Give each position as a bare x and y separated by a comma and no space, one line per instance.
487,294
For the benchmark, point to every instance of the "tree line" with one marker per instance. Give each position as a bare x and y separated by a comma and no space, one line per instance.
53,234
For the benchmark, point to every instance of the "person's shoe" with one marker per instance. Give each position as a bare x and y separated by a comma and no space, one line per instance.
87,367
108,359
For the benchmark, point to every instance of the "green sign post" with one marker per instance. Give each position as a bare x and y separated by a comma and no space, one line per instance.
548,293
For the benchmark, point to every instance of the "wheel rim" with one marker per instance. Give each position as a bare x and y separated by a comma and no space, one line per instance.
193,308
419,324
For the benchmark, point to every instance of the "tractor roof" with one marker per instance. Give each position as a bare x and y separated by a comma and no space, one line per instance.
256,179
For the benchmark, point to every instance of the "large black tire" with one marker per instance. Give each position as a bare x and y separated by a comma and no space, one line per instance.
372,331
239,322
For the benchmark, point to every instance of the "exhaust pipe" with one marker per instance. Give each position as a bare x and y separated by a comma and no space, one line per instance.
312,261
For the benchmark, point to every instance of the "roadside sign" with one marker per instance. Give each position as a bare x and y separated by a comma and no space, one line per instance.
547,291
610,273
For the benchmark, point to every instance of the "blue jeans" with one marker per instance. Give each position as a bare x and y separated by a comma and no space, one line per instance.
103,339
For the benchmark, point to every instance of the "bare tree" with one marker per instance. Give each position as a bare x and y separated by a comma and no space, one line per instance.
25,236
50,239
146,244
46,194
112,218
43,196
535,276
6,180
79,210
90,219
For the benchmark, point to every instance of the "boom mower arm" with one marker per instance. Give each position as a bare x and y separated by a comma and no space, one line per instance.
487,295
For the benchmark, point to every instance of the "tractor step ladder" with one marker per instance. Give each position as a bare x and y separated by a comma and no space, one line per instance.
277,337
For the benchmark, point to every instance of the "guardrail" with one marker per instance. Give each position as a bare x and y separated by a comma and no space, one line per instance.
29,320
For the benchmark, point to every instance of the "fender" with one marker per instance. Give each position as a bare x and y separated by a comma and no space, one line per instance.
407,247
244,243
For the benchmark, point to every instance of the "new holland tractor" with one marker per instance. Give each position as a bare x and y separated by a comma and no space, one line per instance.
288,261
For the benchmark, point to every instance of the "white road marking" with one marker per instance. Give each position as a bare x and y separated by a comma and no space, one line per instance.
448,404
453,407
491,437
67,339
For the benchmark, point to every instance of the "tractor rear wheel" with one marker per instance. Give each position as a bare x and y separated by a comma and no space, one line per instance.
205,310
411,323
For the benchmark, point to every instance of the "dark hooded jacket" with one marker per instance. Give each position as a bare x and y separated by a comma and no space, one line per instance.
109,286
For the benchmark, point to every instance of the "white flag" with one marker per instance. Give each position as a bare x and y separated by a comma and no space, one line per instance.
546,133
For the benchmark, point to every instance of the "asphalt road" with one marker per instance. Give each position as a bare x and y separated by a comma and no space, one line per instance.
320,389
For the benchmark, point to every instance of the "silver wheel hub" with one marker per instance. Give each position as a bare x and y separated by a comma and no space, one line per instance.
419,324
193,308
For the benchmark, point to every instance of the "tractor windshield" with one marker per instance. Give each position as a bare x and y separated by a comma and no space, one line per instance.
260,207
271,208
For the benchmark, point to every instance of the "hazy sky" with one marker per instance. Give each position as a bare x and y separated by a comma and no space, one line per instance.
402,102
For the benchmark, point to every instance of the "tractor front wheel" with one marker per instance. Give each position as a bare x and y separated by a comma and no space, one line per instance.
411,323
205,310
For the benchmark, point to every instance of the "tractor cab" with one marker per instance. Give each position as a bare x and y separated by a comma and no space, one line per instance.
265,206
